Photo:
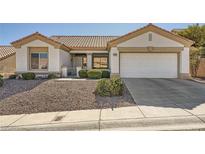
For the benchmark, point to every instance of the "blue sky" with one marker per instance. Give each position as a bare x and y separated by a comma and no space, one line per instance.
13,31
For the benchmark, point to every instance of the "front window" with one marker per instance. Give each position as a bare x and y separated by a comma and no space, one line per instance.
39,60
100,61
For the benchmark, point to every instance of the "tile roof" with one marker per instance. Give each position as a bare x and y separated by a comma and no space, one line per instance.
6,51
41,37
151,27
76,42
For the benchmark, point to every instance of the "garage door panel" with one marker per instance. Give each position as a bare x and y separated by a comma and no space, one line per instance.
148,65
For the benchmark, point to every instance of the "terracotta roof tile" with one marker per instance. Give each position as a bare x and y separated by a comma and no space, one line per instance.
6,51
84,41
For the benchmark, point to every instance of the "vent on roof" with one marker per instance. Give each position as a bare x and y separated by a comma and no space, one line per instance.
150,37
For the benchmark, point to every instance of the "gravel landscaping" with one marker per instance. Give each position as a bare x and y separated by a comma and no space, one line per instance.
33,96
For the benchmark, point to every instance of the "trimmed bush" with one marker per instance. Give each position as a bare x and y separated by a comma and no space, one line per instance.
52,76
103,87
105,74
83,73
94,74
28,76
1,81
13,76
109,87
116,86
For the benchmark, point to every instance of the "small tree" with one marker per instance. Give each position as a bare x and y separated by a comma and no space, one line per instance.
196,33
194,60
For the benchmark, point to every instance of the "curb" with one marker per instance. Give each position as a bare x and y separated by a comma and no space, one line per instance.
142,124
198,81
155,124
91,125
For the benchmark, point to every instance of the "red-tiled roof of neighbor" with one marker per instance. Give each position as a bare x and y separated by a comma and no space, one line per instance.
75,42
6,51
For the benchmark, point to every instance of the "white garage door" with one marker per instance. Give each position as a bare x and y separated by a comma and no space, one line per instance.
148,65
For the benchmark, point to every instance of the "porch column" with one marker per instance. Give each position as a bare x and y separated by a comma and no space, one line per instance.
89,61
114,61
184,64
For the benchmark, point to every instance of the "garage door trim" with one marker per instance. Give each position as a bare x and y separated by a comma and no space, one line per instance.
150,49
178,59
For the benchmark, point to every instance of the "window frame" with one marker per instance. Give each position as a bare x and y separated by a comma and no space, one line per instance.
100,55
38,50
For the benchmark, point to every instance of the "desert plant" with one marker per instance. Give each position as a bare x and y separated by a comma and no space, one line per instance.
52,76
13,76
28,76
83,74
109,87
94,74
105,74
103,87
116,86
1,81
202,52
194,60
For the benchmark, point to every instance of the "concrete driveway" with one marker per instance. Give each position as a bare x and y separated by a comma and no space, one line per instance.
167,97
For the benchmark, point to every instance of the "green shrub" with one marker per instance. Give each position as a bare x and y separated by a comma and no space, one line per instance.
83,73
109,87
103,87
105,74
13,76
28,76
1,81
94,74
116,86
52,76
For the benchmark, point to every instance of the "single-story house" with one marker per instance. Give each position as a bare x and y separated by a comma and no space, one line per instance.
7,60
149,52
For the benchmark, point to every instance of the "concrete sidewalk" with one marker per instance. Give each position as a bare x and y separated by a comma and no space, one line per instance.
125,118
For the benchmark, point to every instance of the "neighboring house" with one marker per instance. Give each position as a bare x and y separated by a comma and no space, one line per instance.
7,60
149,52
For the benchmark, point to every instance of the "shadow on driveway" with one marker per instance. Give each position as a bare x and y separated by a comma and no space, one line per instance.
174,93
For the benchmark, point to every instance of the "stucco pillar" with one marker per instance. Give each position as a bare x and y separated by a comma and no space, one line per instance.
184,67
89,61
114,61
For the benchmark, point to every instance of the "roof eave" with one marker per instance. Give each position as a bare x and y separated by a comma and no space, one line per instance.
38,36
150,27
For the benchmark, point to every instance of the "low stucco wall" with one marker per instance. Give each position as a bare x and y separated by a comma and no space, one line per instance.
8,66
201,69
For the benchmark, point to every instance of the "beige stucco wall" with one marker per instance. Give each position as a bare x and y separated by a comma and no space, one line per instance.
8,65
22,59
114,60
184,63
65,58
143,41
